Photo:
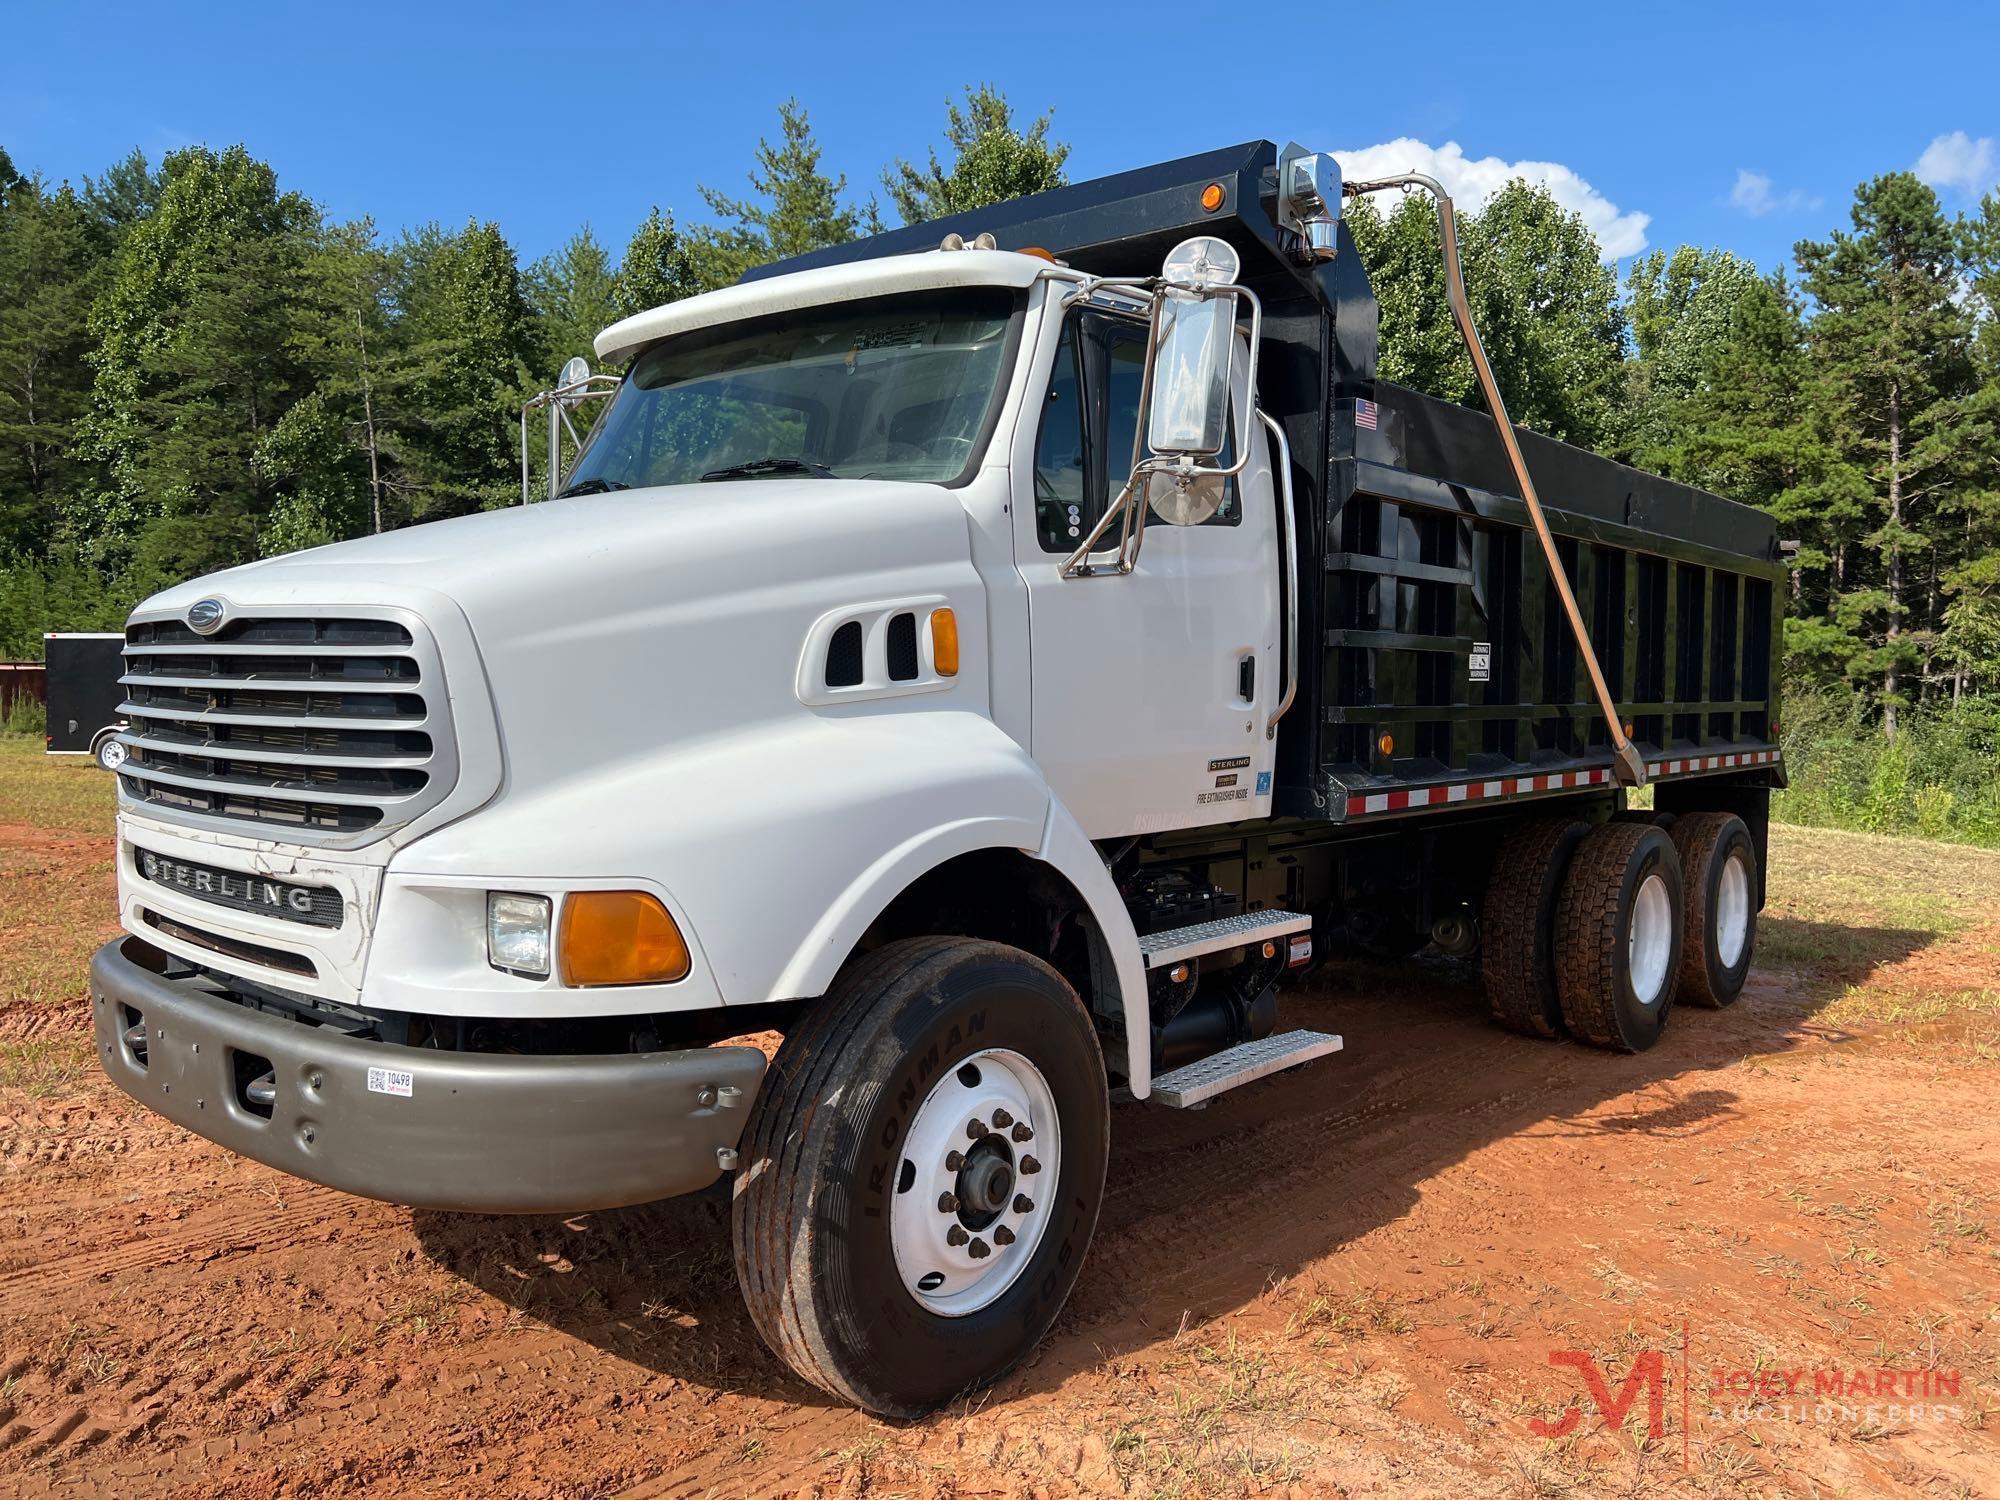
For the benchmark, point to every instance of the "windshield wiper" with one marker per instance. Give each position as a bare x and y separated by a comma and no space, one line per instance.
759,466
593,487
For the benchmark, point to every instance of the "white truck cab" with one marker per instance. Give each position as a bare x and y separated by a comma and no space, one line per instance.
902,663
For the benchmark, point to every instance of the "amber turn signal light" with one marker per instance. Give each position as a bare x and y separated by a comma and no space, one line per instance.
944,642
619,937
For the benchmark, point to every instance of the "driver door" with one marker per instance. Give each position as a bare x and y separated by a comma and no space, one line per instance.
1150,690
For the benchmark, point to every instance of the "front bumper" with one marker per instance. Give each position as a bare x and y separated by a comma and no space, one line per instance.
481,1132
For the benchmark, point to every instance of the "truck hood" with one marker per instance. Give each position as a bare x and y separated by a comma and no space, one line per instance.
608,624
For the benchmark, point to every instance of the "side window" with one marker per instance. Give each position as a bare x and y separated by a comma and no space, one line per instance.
1060,516
1084,453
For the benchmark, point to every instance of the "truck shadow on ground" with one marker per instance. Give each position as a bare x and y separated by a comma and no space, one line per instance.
1206,1209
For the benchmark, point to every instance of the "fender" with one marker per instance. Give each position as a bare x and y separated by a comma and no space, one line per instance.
779,846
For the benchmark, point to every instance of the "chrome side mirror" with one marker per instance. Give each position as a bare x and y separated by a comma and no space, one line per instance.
575,373
1194,343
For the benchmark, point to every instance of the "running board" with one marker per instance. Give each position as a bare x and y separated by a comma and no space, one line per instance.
1158,949
1197,1082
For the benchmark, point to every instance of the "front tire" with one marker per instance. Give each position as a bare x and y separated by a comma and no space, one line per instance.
922,1172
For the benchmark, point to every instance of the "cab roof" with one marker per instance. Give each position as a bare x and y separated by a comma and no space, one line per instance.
826,284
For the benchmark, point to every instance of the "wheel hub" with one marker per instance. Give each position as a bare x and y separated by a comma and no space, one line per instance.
980,1159
985,1182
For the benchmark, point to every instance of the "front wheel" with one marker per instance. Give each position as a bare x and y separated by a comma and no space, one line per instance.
922,1172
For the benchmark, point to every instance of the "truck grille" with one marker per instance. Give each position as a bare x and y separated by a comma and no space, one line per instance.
331,729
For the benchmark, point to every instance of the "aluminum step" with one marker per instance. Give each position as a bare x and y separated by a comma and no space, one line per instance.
1197,1082
1158,949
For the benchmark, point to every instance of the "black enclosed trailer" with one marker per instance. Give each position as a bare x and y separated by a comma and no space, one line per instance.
1446,748
84,668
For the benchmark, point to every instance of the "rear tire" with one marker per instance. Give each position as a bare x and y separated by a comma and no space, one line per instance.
898,1283
1719,865
1517,925
1618,936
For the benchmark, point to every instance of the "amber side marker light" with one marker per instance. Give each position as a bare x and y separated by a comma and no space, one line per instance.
944,642
1386,744
1211,197
619,937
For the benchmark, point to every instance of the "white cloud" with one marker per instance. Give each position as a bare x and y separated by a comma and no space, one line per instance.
1958,161
1753,195
1473,182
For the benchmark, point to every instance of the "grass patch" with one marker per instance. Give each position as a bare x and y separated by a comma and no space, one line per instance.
64,792
45,1067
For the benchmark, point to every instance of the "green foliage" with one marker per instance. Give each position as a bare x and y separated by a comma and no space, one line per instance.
571,295
795,207
1545,304
1940,776
658,268
27,717
991,161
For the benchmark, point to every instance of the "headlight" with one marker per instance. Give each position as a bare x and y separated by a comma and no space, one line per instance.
517,933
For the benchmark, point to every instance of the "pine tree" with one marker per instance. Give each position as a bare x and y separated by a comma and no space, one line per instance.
462,370
991,161
658,268
796,207
1893,345
572,295
48,271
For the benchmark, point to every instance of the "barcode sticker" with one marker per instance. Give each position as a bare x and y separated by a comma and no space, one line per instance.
397,1081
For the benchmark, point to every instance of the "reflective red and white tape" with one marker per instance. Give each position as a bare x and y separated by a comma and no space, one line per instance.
1560,781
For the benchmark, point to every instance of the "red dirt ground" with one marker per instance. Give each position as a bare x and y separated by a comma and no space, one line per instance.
1345,1281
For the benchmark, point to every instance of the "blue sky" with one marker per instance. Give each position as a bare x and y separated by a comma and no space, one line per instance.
1734,125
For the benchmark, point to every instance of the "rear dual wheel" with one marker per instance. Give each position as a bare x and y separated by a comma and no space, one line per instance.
1619,936
1719,865
921,1173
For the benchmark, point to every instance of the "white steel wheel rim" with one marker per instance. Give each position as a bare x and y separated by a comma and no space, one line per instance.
1732,910
947,1179
111,754
1652,940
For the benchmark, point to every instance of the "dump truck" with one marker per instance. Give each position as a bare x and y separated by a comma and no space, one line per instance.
992,658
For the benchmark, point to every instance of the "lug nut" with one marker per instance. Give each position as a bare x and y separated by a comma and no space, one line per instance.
953,1161
1023,1204
975,1128
1029,1166
979,1249
1001,1119
1022,1132
954,1235
1003,1236
947,1203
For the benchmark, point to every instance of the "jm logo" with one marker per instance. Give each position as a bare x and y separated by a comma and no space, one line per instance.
1649,1373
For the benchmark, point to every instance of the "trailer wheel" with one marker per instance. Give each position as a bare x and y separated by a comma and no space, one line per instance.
1517,925
108,750
1618,936
1719,864
921,1173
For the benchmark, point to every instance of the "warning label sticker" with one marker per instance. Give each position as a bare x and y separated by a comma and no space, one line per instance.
1479,662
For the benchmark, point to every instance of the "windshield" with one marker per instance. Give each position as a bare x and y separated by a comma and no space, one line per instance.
896,387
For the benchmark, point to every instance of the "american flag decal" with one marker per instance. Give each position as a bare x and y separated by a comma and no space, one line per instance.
1365,415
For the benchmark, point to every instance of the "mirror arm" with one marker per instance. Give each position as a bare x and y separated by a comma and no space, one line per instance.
1131,537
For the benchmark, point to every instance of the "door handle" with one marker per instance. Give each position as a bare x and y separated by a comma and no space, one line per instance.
1246,678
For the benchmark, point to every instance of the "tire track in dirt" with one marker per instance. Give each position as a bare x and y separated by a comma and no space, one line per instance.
223,1234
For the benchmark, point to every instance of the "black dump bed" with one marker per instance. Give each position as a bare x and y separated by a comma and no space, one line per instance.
1436,663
